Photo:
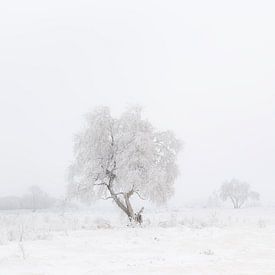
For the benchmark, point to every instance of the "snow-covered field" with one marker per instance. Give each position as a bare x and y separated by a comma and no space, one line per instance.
189,241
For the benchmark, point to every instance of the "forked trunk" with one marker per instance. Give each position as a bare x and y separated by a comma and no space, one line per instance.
125,205
133,217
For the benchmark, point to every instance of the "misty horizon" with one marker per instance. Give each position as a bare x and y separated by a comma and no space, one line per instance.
211,83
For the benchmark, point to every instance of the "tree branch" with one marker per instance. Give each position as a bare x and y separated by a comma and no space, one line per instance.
139,195
98,184
120,193
107,198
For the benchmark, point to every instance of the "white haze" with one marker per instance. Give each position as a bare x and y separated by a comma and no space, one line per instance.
204,69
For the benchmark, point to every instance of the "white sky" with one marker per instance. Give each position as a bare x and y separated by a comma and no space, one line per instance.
205,69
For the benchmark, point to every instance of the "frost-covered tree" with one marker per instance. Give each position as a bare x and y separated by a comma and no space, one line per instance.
118,158
238,192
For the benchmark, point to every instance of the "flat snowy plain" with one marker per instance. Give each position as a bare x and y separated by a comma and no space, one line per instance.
187,241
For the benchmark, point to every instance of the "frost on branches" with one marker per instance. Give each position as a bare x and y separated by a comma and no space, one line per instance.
118,158
238,192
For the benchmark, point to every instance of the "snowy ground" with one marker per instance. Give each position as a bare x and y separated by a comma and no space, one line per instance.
190,241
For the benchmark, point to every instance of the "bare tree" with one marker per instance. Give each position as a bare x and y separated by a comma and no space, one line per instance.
37,199
36,193
238,192
117,158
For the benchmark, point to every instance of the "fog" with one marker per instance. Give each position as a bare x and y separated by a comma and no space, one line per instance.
204,69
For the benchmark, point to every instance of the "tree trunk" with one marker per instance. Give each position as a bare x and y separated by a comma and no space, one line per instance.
126,206
133,217
235,202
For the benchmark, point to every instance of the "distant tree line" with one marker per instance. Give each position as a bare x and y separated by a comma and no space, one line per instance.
35,199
